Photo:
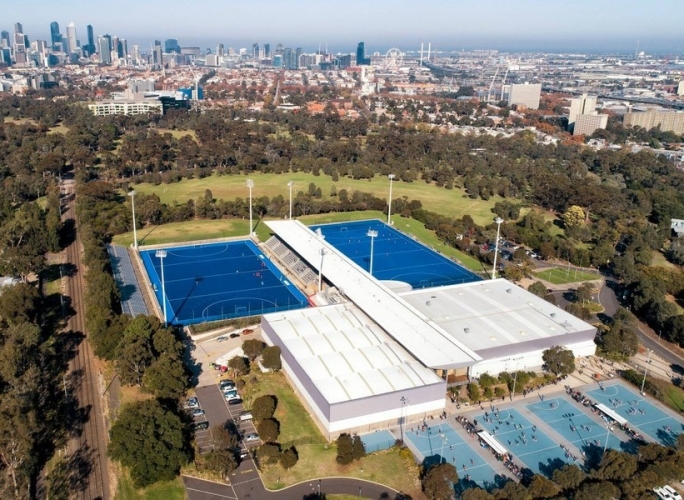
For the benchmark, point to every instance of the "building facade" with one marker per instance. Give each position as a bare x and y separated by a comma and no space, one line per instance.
668,121
588,124
527,94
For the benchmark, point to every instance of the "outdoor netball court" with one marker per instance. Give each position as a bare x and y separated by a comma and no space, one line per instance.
219,281
395,255
544,434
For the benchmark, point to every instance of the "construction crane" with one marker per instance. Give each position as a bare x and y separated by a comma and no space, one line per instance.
489,92
503,84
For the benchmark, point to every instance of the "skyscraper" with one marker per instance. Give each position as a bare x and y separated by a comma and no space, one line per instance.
105,49
5,39
55,36
71,35
220,49
584,105
18,29
92,49
171,45
298,56
267,50
361,59
157,54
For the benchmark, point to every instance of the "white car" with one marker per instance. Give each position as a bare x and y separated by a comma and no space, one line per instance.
197,412
667,492
251,437
191,403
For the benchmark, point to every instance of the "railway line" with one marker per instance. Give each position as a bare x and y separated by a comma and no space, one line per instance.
91,442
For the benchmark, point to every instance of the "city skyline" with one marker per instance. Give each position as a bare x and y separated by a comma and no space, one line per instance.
611,26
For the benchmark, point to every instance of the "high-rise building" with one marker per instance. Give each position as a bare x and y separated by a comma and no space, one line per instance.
157,54
584,105
361,59
18,29
5,39
255,50
171,46
527,94
65,44
680,88
71,35
589,123
55,36
92,49
136,53
298,56
220,49
104,48
279,49
122,48
267,50
668,121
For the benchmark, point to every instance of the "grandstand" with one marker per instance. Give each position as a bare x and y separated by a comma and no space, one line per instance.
132,302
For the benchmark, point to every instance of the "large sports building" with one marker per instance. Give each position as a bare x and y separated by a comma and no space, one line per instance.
384,354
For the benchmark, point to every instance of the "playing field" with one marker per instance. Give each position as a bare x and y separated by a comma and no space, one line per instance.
219,281
395,255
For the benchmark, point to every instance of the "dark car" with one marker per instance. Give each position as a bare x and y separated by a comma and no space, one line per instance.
200,426
235,401
234,335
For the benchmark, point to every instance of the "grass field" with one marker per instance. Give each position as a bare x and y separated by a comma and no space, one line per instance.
172,490
177,134
450,202
659,260
561,276
316,456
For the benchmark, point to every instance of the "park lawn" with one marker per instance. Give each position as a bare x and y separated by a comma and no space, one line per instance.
559,276
168,490
59,129
448,202
186,231
674,397
659,260
177,134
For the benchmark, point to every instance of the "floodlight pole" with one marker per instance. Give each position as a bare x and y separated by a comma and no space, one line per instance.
643,382
320,236
290,184
250,185
515,379
498,221
135,233
372,234
605,445
389,203
404,401
162,255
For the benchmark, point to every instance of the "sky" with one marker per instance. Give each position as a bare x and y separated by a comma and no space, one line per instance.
508,25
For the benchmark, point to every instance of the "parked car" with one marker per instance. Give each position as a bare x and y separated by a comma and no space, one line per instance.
191,403
234,335
197,412
222,338
246,415
237,401
226,385
247,331
200,426
253,436
229,396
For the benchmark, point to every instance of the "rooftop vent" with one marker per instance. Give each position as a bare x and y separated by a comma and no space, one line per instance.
508,290
553,315
428,303
466,329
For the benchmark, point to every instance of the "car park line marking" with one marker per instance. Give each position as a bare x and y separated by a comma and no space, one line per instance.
246,471
210,493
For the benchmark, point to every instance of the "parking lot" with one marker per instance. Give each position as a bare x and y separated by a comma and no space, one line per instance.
217,410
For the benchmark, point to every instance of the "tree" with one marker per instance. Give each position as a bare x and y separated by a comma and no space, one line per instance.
345,447
474,392
579,311
239,365
616,466
151,440
621,338
476,494
569,477
559,360
264,407
584,292
220,460
270,358
438,482
574,217
166,378
20,303
268,453
268,430
289,458
133,356
538,288
253,348
600,489
358,449
540,487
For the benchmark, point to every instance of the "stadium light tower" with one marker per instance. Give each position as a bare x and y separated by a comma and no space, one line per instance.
162,255
290,184
135,233
320,237
250,185
372,234
404,401
389,204
498,221
648,361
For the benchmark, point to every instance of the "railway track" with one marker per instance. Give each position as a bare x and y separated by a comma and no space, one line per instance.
91,443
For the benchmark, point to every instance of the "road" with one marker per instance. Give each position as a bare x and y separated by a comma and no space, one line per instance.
198,489
90,444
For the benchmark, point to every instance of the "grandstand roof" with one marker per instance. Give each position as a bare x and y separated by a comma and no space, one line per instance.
416,332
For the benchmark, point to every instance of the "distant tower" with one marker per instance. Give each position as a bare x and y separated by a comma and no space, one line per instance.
71,35
220,49
18,29
361,59
92,49
105,49
267,50
55,36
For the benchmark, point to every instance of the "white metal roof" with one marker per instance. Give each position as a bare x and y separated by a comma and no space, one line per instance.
350,358
425,339
494,313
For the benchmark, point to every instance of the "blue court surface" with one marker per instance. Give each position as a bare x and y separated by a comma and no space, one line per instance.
574,425
376,441
219,281
442,441
395,255
639,413
527,443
